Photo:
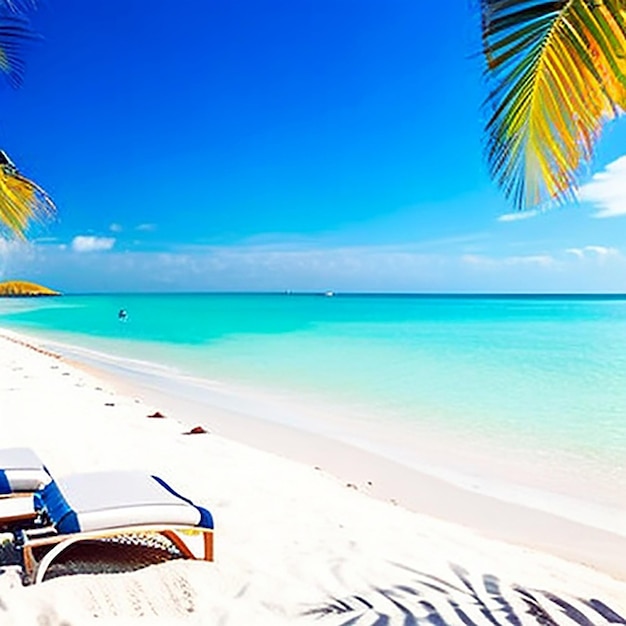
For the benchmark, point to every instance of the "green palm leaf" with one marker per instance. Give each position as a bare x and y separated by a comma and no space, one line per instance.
21,200
15,34
558,71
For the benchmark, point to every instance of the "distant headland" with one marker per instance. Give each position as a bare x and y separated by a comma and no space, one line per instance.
22,288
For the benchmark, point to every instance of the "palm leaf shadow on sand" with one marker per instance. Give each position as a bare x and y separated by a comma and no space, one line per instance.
428,599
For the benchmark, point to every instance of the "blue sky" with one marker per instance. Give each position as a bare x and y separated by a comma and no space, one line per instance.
284,144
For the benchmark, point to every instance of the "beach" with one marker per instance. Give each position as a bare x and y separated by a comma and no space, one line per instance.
307,530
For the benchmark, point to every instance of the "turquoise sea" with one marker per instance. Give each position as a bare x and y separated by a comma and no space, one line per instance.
542,373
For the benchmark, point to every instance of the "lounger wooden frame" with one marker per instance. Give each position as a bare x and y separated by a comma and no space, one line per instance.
31,540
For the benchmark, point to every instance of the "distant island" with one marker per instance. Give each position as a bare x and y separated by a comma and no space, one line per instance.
22,288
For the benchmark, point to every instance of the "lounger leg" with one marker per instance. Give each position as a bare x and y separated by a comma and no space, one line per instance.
29,564
208,546
26,557
191,546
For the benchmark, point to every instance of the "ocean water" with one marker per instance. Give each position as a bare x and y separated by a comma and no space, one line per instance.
543,374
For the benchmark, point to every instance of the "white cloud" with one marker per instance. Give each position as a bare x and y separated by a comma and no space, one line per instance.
89,243
11,246
600,252
542,260
607,190
311,268
13,254
45,240
518,215
146,227
476,259
577,252
116,228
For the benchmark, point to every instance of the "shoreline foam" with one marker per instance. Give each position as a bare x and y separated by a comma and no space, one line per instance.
466,494
289,536
438,457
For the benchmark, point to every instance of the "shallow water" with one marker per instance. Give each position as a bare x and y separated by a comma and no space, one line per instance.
542,374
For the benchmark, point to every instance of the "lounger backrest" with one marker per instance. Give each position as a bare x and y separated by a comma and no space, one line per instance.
105,500
21,471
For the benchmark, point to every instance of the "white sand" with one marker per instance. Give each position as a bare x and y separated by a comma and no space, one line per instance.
291,539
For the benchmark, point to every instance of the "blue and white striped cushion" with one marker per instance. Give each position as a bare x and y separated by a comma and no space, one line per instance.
104,500
21,471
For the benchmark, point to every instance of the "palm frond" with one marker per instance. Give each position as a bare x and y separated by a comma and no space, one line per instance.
18,6
558,70
15,33
21,200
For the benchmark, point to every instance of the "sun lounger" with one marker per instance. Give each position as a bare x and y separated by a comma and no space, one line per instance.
104,505
22,474
21,471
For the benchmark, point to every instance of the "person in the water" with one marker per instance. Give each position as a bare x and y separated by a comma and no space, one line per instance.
122,315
